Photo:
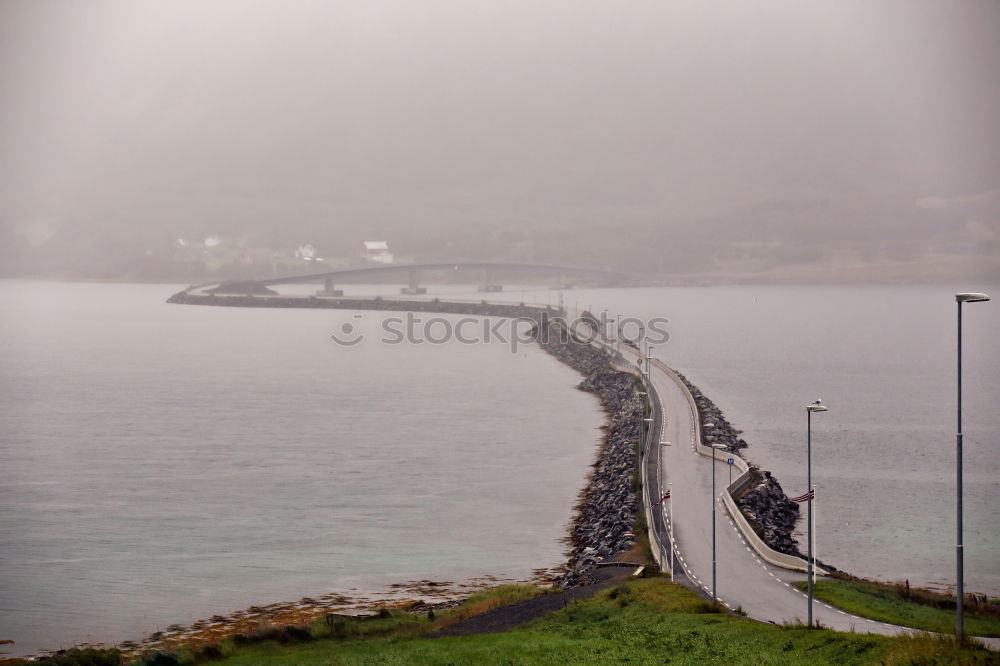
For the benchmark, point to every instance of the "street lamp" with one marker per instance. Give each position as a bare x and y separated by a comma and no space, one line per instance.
642,421
715,447
618,333
959,552
817,406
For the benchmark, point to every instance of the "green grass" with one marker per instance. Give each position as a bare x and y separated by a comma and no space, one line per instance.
648,621
886,603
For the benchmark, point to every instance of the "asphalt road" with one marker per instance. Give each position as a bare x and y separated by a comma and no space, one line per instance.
743,581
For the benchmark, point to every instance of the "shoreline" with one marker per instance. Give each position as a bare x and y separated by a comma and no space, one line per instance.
414,596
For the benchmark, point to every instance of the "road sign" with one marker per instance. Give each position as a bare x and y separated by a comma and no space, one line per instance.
639,362
730,461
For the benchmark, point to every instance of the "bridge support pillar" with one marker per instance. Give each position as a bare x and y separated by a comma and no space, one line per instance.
328,289
414,287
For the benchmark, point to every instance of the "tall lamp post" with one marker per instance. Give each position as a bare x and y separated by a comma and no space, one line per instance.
959,552
618,334
817,406
642,421
715,447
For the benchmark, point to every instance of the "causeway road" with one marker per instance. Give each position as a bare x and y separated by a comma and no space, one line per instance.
743,580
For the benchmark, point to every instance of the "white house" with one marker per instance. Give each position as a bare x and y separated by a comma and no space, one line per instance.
376,252
306,252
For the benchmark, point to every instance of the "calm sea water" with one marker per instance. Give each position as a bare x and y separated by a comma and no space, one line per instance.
162,463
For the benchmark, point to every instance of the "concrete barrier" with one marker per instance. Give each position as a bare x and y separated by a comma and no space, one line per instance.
766,553
656,546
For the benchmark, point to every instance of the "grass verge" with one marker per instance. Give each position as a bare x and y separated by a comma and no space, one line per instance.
646,621
895,604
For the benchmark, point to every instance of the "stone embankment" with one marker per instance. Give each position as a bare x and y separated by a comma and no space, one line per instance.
715,428
483,309
763,502
768,508
605,514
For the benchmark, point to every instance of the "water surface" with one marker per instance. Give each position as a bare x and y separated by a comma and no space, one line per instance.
163,463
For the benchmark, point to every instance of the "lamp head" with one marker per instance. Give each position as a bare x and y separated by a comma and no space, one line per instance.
817,406
971,297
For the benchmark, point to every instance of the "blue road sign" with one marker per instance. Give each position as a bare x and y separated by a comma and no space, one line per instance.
730,461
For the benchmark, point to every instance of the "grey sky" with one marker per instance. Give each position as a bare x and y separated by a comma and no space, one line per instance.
373,113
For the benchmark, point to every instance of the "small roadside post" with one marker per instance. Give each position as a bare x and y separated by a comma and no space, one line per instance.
670,511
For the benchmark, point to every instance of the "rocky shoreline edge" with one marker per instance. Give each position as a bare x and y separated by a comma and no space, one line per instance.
602,526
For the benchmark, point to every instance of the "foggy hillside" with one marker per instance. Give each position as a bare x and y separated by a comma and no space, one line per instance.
721,138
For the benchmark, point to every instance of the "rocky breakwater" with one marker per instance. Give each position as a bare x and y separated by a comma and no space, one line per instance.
773,515
434,305
762,500
606,511
715,429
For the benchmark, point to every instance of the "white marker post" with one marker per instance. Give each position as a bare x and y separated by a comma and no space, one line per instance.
670,509
815,552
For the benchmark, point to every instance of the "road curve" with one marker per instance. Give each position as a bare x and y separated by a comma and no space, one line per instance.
743,581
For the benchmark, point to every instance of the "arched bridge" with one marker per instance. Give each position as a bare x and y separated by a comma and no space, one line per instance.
487,276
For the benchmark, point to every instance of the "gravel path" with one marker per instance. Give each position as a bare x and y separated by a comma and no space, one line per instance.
507,617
